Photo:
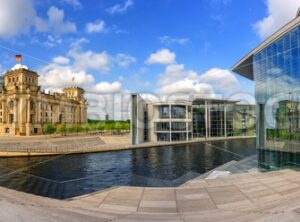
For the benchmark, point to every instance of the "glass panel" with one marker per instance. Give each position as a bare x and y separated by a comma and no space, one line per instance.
217,120
199,121
178,126
179,136
162,126
178,112
164,111
163,137
277,93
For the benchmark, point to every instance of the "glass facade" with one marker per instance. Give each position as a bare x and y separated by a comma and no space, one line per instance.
164,112
277,81
199,123
178,126
179,136
162,126
217,120
178,112
163,137
244,120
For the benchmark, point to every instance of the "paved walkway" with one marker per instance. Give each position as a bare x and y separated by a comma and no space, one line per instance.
41,145
272,196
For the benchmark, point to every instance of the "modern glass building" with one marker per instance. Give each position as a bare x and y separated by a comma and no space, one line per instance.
189,120
275,68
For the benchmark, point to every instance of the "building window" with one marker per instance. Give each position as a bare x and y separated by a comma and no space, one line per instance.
163,137
11,118
162,126
179,136
178,112
217,128
164,111
178,126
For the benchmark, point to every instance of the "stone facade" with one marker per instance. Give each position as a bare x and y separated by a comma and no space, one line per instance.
25,109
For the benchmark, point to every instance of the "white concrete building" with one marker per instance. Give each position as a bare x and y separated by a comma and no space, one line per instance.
187,120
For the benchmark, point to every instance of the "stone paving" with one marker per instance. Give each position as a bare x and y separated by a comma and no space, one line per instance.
271,196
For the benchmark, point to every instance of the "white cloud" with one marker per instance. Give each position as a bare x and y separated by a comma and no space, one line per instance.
116,105
150,97
119,8
91,60
221,79
16,17
189,87
20,17
75,3
176,79
180,82
61,60
171,74
279,13
52,41
55,22
103,97
124,60
77,43
168,40
105,87
97,26
163,56
58,76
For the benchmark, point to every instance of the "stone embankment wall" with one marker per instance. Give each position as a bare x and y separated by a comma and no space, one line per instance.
67,145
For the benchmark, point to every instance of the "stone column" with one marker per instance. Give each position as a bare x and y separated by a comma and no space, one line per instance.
15,110
3,111
28,111
38,105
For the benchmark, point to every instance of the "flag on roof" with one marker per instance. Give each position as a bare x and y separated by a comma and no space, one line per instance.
19,58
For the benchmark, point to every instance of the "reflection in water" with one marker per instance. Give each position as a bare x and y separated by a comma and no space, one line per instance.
275,159
74,175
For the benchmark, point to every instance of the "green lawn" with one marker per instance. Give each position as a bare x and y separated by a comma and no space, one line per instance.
114,126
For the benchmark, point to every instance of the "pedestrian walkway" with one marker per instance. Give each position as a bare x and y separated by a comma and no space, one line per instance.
257,196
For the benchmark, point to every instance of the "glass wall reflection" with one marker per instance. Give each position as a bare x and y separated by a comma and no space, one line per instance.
276,73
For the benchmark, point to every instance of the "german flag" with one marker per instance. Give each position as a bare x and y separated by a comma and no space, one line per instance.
19,58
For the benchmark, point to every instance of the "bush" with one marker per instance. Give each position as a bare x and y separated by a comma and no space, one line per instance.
62,129
50,129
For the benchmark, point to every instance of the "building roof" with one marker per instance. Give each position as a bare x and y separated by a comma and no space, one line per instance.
245,66
212,100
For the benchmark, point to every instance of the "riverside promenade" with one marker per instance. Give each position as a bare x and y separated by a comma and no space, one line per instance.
59,145
256,196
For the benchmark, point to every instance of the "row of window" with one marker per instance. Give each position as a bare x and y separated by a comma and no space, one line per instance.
176,111
163,137
29,80
174,126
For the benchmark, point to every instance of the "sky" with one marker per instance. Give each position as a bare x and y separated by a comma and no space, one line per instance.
162,49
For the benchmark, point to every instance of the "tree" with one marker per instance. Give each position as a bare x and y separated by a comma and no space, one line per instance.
49,129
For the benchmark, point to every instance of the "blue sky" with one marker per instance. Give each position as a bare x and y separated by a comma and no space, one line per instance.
152,47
